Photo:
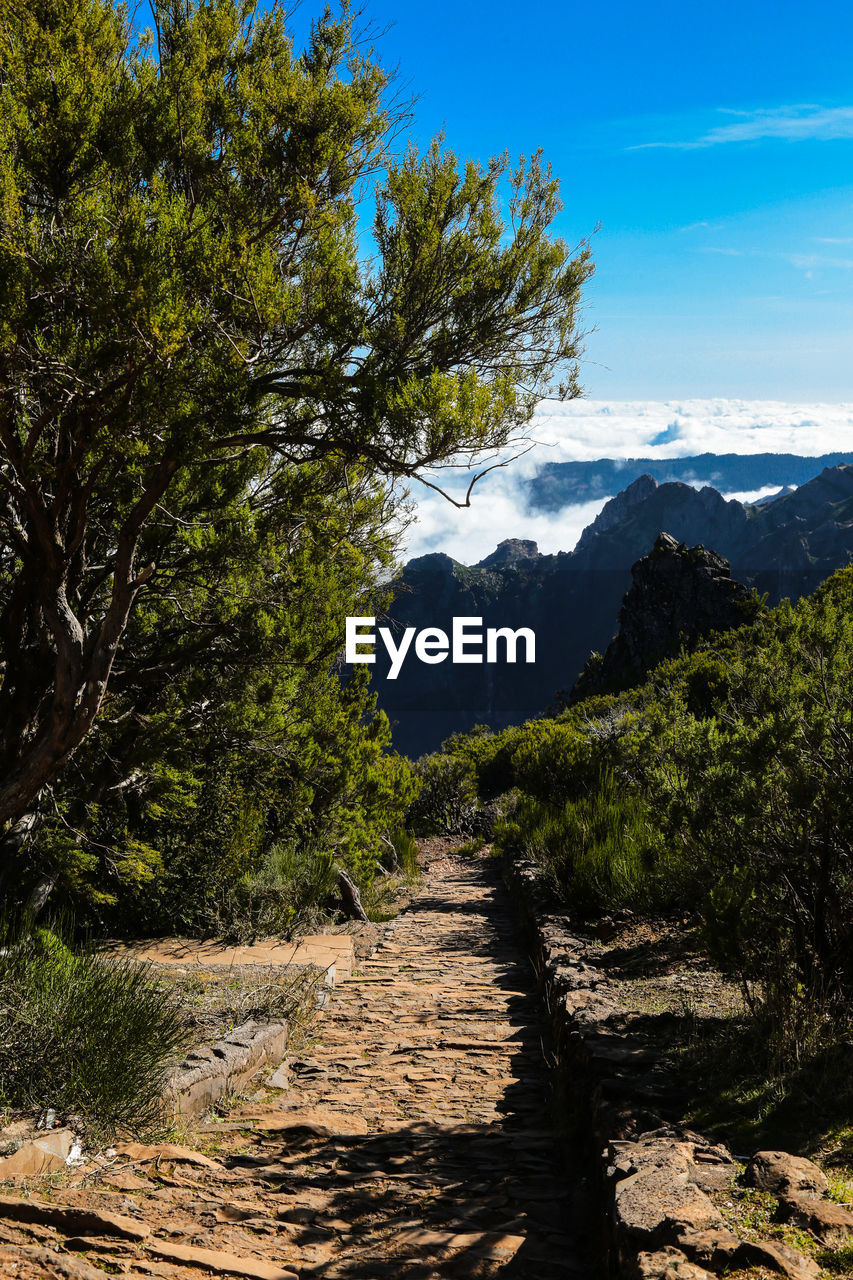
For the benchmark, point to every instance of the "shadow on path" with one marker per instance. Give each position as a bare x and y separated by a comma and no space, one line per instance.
420,1141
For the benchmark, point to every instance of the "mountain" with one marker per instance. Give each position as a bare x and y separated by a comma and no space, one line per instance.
678,594
571,600
563,484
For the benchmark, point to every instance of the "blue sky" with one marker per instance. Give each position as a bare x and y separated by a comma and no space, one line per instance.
713,144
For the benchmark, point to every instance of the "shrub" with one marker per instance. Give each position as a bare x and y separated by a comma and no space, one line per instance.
471,848
600,851
405,850
287,893
759,797
447,801
83,1034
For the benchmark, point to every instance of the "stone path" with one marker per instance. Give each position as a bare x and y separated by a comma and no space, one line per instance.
415,1142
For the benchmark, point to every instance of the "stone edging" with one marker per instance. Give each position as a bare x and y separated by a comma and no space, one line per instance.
659,1221
227,1066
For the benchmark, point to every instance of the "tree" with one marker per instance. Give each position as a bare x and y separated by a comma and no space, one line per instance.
224,726
185,315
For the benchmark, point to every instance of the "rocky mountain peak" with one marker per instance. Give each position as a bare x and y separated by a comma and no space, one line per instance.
510,551
619,509
678,594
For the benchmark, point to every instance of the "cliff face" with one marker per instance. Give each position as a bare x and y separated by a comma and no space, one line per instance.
635,517
678,594
571,600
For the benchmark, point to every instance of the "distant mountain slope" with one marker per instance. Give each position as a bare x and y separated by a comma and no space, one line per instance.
563,484
572,600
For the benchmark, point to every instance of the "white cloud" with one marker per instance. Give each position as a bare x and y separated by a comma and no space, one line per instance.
811,261
807,122
589,429
756,495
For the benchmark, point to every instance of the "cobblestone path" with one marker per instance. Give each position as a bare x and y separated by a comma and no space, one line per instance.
417,1140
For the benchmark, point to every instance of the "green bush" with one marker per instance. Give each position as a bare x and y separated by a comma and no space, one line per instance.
405,854
446,803
85,1034
758,798
286,894
722,785
598,852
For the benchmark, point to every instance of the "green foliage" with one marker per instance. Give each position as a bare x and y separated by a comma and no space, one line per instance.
597,851
83,1034
405,858
471,847
757,796
286,893
210,388
446,802
329,791
721,786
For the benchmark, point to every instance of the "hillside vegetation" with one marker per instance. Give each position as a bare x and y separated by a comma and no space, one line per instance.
721,787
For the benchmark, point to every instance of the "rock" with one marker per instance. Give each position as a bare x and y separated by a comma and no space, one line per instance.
777,1257
712,1168
678,594
125,1180
656,1201
280,1078
781,1173
73,1221
219,1262
668,1264
713,1248
45,1154
229,1065
832,1223
509,550
321,1121
31,1262
605,929
138,1151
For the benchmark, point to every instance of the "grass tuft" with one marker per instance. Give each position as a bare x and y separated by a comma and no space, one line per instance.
84,1034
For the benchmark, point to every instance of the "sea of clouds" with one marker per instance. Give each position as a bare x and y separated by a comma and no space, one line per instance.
591,429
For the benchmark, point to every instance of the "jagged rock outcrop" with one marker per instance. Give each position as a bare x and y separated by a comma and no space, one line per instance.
509,551
571,600
678,595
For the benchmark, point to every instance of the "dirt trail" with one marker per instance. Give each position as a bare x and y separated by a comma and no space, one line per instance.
416,1141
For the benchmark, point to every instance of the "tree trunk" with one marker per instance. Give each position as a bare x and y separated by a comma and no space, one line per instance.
350,896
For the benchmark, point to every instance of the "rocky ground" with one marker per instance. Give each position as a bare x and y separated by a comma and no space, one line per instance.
415,1139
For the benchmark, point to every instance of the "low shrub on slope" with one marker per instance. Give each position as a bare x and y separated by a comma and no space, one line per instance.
721,785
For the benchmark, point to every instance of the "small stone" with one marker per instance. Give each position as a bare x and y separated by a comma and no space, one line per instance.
668,1264
713,1248
142,1153
279,1078
45,1154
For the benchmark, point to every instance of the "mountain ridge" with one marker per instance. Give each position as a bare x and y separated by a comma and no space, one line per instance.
560,484
572,599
